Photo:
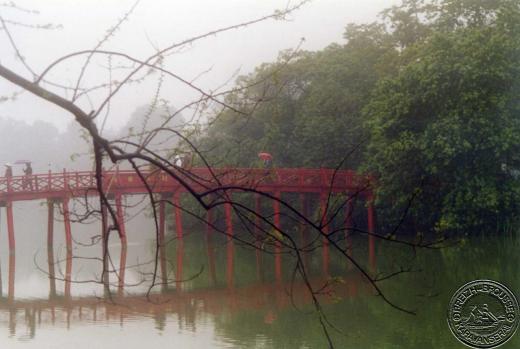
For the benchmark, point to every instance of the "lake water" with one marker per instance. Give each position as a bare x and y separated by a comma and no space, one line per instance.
224,295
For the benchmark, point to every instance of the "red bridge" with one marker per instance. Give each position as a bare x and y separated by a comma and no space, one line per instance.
59,188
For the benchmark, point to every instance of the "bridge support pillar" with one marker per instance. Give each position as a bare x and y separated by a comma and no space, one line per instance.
258,238
162,221
349,209
66,221
178,214
161,244
324,198
229,220
50,248
230,265
209,220
305,212
304,238
258,211
10,287
12,259
104,241
211,259
180,265
209,216
68,242
68,274
371,231
10,227
278,244
120,218
120,214
122,269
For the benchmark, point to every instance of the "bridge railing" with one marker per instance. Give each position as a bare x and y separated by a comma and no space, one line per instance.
47,182
200,178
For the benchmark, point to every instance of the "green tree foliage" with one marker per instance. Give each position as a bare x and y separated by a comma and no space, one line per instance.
447,126
306,107
426,98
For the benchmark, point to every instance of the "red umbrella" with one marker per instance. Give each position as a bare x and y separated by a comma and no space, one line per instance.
265,156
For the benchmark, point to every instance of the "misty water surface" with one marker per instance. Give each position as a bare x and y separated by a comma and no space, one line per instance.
231,298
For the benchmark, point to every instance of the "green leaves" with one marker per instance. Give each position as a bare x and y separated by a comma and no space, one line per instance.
449,117
427,99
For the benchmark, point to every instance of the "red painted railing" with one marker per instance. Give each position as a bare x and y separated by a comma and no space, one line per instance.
67,184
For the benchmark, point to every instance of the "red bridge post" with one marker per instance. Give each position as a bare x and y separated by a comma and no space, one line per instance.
68,242
122,268
161,243
303,227
120,218
178,214
211,259
10,227
348,222
371,231
278,245
230,265
229,219
50,247
122,236
180,265
68,273
258,211
66,221
104,242
348,227
10,287
50,225
258,238
209,221
324,198
162,221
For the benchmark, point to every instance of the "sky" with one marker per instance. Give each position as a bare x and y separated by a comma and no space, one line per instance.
156,24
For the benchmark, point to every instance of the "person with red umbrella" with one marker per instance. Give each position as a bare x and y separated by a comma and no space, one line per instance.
267,159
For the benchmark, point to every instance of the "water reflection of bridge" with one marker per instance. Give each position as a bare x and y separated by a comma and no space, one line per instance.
268,298
222,296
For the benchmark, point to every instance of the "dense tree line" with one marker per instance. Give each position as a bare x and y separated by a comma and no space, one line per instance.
426,98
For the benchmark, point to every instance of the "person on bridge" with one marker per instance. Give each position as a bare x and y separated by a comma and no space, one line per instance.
8,170
187,160
177,160
27,180
266,158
